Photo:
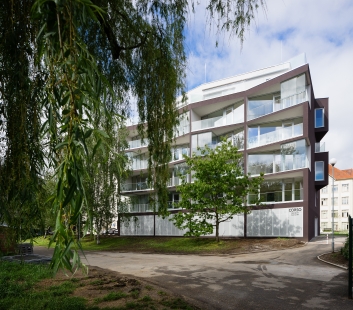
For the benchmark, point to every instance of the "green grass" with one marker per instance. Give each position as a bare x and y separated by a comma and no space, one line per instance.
153,244
17,282
19,290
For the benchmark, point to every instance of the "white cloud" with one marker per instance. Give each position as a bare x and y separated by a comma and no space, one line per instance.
323,29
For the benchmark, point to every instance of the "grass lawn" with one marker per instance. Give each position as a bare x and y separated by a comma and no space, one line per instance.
32,287
181,245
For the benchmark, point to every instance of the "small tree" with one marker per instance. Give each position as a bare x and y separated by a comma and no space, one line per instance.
218,191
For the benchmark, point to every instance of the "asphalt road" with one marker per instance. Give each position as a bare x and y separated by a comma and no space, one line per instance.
287,279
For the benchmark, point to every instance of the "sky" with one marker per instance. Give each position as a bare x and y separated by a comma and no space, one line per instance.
323,29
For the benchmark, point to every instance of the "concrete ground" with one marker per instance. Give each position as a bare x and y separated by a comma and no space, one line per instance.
286,279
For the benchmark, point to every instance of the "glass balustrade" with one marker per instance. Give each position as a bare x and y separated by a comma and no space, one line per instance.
137,143
178,154
275,136
137,186
319,147
257,108
139,208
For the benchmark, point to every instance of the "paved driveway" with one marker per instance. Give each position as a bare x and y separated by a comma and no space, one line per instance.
288,279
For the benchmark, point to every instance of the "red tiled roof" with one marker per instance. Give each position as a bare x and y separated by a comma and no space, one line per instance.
341,174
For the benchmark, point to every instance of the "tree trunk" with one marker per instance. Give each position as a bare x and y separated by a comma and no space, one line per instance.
217,227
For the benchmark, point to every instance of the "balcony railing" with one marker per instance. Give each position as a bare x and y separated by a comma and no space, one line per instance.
175,181
179,153
319,148
182,130
269,106
138,186
217,122
137,143
285,164
275,136
149,208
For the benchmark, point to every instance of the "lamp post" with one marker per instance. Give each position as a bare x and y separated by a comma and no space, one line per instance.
333,162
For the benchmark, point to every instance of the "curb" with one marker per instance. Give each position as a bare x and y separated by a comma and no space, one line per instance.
336,265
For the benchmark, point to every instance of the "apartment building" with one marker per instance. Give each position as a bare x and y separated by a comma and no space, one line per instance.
340,195
276,122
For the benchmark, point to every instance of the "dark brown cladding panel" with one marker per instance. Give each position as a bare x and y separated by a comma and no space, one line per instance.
322,103
322,157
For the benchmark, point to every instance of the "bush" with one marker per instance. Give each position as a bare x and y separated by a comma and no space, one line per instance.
345,249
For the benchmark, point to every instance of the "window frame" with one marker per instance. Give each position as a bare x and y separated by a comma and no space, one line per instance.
323,170
323,119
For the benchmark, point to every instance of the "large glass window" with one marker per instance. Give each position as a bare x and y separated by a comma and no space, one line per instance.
324,201
293,86
345,200
273,132
324,214
279,190
258,163
319,171
291,156
319,118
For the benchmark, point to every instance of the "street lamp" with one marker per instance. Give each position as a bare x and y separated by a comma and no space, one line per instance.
333,162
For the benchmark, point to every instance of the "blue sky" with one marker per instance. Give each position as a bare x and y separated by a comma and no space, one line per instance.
323,29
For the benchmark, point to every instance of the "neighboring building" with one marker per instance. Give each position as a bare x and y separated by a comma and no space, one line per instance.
273,118
343,200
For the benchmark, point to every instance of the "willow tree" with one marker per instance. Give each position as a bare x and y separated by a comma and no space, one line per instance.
21,153
96,54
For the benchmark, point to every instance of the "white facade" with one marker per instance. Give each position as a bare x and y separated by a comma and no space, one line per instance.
343,204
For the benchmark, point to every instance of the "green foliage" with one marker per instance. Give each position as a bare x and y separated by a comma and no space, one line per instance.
107,168
67,62
21,153
219,190
345,249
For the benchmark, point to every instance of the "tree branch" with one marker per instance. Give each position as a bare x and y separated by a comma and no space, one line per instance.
114,46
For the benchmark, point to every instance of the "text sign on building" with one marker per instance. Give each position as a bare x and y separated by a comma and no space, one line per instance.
281,222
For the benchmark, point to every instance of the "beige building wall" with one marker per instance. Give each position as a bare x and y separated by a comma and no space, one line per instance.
343,202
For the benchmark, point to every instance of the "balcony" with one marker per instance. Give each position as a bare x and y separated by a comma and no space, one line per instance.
217,122
175,181
178,154
137,143
278,163
319,148
276,135
139,208
138,186
139,164
257,108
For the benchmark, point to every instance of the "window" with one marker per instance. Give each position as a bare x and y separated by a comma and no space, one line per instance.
324,201
324,225
319,171
335,188
319,118
335,213
324,214
324,190
335,201
345,200
345,187
345,213
344,226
